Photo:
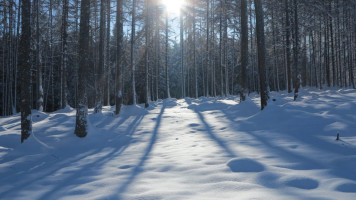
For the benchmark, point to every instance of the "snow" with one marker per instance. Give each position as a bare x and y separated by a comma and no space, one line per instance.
206,148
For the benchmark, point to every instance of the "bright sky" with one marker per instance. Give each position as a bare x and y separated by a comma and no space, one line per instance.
173,6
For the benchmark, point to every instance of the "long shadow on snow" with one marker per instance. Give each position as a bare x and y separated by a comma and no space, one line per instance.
13,141
125,113
243,126
45,172
211,134
118,148
265,121
138,169
258,122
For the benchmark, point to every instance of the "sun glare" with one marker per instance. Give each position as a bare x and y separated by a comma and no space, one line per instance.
173,6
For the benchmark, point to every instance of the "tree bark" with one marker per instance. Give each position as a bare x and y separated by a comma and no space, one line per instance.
107,56
182,52
25,67
296,51
261,53
119,55
132,58
244,50
99,94
289,71
82,110
194,53
168,94
64,58
147,26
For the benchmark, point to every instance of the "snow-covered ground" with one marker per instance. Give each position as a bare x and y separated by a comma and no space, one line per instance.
209,148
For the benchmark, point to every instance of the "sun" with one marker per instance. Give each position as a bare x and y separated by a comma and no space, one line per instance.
173,6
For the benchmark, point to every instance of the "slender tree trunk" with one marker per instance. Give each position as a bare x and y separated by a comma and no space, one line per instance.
289,75
332,46
261,53
275,67
51,54
326,52
39,102
213,74
107,60
157,50
147,23
25,67
194,53
226,63
244,50
168,94
99,94
81,129
119,55
3,83
221,35
182,53
296,51
132,58
207,66
320,56
64,59
17,53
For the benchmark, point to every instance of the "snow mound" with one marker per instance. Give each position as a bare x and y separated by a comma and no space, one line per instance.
347,187
245,165
303,183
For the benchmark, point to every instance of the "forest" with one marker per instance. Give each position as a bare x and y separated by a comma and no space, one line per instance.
90,53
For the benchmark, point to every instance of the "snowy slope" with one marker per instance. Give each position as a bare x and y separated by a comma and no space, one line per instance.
209,148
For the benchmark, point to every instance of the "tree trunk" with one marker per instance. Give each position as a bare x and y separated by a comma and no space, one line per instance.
132,58
64,59
119,55
244,50
296,51
261,52
168,94
194,54
82,110
99,94
289,75
275,56
226,66
147,23
107,60
25,67
332,46
182,53
207,46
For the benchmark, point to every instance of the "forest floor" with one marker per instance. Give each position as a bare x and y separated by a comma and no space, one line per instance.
206,148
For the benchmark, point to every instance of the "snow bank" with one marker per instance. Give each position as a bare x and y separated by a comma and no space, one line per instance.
206,148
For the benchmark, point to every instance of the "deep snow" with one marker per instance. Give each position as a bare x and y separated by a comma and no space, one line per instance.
208,148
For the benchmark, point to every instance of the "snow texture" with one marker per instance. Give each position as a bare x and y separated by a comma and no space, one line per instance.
206,148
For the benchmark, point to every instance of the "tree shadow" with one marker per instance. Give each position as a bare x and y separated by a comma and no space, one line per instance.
77,169
259,124
210,132
138,168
